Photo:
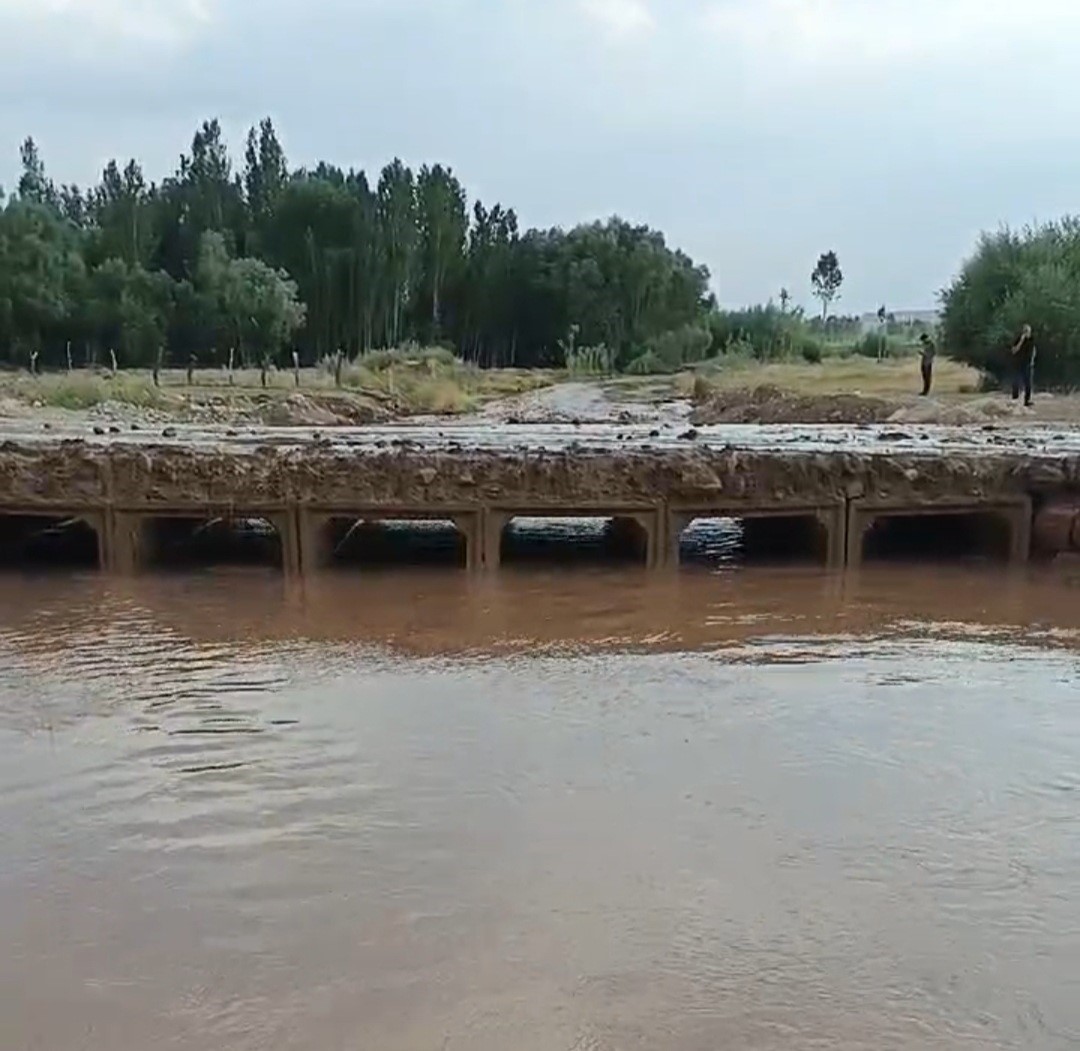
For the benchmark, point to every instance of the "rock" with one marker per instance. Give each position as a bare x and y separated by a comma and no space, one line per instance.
114,429
654,434
1048,474
99,429
169,432
466,478
428,475
689,436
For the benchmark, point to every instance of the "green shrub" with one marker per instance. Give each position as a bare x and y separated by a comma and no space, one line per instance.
1031,276
590,361
681,346
647,364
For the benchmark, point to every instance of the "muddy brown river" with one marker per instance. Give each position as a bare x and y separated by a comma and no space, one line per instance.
546,811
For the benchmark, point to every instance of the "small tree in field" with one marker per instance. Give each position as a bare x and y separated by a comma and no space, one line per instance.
826,280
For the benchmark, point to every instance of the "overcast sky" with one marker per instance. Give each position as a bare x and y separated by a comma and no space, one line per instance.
754,133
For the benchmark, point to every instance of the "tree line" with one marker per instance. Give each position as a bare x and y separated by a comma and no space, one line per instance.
265,260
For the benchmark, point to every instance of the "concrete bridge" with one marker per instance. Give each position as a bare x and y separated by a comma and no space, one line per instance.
834,496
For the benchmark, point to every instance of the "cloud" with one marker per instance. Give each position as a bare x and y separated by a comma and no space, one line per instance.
620,18
839,36
147,21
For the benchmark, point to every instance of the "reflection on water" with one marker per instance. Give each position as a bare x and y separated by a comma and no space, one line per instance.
590,810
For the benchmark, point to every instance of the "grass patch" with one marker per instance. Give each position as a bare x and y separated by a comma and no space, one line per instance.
852,375
84,390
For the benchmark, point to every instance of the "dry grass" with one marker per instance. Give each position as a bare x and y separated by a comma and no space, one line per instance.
432,384
83,390
854,375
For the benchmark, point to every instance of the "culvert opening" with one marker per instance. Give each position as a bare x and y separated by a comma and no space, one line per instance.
771,540
533,540
940,537
371,544
236,540
44,541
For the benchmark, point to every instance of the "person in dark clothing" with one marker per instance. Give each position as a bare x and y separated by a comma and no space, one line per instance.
1023,353
927,352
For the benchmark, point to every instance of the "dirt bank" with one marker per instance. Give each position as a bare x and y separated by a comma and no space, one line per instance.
769,404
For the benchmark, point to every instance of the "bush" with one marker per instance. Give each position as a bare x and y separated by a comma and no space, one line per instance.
410,354
647,364
870,346
681,346
1016,278
590,361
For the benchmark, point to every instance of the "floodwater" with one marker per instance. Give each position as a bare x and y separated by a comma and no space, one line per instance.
664,429
545,811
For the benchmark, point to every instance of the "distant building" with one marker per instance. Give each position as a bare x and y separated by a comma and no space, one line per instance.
922,319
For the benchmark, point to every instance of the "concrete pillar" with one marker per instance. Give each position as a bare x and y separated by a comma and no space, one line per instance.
834,522
1057,527
287,524
675,524
99,522
126,543
492,524
313,532
1019,519
470,525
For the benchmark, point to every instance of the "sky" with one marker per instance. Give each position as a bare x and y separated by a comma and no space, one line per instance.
755,133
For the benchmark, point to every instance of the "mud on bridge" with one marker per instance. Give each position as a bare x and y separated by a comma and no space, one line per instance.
831,495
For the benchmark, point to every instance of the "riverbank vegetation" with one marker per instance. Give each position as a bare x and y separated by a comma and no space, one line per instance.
1017,277
384,385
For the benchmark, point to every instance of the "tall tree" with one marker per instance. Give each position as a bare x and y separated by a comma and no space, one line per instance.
826,279
398,240
34,185
265,174
443,227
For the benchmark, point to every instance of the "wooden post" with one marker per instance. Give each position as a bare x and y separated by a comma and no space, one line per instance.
339,361
33,362
232,363
112,358
158,360
265,370
296,367
191,370
68,350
